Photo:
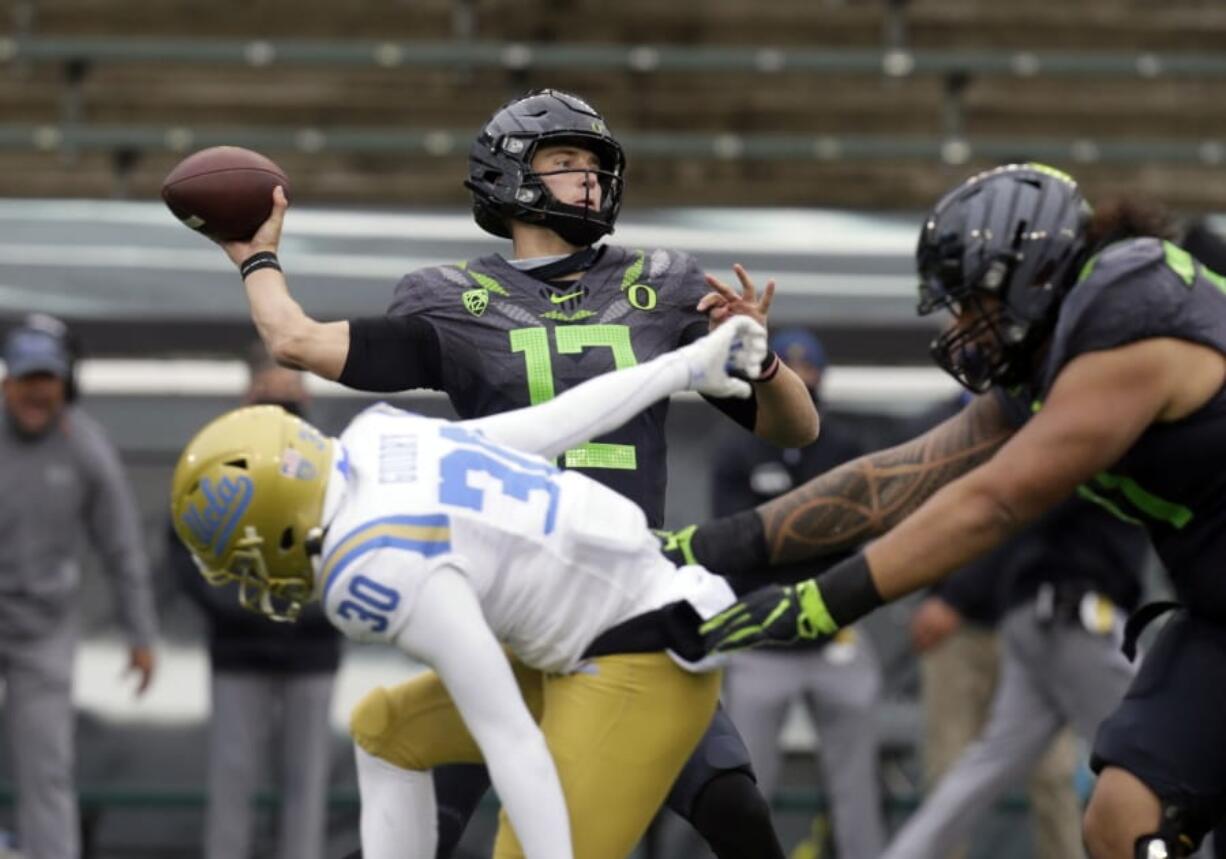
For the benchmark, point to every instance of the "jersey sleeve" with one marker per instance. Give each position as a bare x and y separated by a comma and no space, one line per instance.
392,353
686,285
114,522
372,576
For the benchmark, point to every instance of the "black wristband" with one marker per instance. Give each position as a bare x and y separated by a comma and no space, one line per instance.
734,545
769,367
257,261
848,590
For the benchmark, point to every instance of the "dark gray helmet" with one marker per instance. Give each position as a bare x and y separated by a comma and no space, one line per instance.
502,181
1007,243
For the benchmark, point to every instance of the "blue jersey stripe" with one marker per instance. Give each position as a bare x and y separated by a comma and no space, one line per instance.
427,536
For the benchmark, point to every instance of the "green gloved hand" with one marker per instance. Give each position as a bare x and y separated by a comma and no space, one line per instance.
675,545
773,616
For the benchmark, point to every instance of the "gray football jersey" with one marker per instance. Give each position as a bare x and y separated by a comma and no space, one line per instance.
509,340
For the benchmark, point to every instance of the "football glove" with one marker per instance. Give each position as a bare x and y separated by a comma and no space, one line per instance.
675,545
776,615
737,348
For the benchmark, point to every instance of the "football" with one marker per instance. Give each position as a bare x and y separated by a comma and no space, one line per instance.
224,192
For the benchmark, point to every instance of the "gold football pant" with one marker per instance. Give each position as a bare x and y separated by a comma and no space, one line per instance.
619,732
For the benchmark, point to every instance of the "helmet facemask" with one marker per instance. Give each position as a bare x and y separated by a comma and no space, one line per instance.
505,187
247,502
578,225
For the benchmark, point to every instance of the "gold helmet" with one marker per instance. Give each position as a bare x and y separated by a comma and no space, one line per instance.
247,500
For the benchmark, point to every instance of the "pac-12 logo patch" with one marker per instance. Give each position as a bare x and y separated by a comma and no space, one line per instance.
224,503
476,300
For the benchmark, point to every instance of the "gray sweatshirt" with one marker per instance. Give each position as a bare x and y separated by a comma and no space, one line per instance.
53,492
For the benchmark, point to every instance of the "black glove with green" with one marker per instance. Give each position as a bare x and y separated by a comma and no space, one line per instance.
772,616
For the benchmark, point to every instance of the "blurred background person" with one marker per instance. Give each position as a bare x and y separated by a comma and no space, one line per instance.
953,630
61,481
954,633
1064,587
271,689
840,682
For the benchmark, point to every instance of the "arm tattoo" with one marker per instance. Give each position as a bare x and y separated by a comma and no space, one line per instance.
848,505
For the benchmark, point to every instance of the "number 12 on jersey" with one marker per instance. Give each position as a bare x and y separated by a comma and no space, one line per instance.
571,340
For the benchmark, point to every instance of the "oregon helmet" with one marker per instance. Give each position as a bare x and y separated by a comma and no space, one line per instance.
1005,245
504,185
247,501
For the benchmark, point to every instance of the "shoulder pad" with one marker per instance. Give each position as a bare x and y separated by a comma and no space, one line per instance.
1122,258
428,288
1129,292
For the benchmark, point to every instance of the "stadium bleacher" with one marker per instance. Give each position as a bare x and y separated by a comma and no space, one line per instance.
874,104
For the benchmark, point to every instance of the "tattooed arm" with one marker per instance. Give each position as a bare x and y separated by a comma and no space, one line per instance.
844,507
837,511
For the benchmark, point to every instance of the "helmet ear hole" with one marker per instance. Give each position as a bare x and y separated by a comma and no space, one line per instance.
238,463
287,539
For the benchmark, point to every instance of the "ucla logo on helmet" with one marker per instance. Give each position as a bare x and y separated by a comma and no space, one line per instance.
476,300
212,522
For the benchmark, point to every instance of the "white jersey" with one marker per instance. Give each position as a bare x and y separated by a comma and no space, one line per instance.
554,557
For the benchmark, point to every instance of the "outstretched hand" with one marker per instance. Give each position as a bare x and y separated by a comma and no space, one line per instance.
724,302
266,238
774,615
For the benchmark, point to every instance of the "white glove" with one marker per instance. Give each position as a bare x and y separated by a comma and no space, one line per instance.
739,345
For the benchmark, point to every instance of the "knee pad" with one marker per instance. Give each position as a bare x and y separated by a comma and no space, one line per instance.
734,818
369,722
379,724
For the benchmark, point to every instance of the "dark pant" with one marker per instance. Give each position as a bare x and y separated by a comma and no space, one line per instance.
1170,729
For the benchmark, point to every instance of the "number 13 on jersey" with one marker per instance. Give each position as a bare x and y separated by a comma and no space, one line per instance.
571,340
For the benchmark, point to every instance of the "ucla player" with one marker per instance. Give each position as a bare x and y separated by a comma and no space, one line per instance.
456,540
508,330
1100,349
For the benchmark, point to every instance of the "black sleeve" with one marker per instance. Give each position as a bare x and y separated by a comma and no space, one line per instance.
730,488
392,353
744,412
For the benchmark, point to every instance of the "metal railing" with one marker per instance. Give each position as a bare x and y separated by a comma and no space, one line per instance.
953,150
644,58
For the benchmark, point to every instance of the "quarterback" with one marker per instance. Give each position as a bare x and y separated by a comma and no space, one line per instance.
456,542
557,306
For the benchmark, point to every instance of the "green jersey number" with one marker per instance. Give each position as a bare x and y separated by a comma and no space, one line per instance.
571,340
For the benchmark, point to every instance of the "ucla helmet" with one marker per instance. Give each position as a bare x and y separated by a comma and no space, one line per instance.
504,185
1005,245
247,500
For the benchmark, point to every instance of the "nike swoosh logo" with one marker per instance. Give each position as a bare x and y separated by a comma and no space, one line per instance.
559,299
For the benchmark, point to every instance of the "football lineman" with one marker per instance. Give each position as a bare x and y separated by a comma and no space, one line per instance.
1099,349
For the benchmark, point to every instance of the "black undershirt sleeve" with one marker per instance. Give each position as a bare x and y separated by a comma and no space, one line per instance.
744,412
392,353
